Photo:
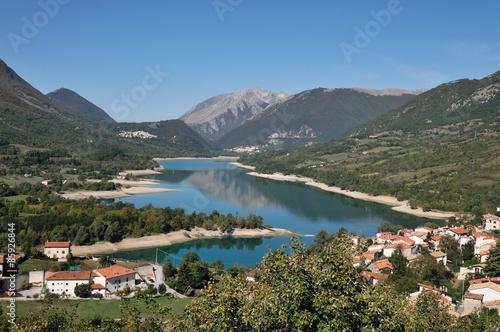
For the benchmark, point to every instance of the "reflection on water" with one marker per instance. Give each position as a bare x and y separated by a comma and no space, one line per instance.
206,185
209,249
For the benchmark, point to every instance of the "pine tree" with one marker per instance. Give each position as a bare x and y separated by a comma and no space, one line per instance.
492,268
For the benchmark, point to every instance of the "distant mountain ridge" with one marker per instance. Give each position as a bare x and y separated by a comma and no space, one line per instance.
218,115
29,118
74,101
447,104
313,116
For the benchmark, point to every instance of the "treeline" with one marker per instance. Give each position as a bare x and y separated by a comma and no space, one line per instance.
50,217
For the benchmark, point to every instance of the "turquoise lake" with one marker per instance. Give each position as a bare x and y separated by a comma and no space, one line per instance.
207,185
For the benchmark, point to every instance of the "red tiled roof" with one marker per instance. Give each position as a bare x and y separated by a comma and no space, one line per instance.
438,254
459,231
97,286
425,227
484,252
113,271
69,275
436,237
374,275
481,280
57,244
383,264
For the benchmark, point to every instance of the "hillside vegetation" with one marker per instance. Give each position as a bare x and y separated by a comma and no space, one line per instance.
313,116
39,136
439,151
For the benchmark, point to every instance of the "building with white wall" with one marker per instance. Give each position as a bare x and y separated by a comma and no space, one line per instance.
114,278
57,250
64,282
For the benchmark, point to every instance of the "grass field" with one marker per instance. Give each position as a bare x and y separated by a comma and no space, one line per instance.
92,308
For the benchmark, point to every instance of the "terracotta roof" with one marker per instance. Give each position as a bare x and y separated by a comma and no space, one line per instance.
372,275
97,286
484,252
69,275
57,244
113,271
438,254
459,231
383,264
436,237
425,227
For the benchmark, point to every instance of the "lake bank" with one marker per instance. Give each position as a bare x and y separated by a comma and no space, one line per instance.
400,206
161,240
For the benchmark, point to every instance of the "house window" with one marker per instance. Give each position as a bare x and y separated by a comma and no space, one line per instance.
127,279
66,284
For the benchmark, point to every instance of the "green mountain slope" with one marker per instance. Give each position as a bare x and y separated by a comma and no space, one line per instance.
439,151
72,100
313,116
31,124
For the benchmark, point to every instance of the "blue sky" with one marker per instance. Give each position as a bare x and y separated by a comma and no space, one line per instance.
153,60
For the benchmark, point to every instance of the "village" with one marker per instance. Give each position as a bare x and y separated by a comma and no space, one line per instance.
372,259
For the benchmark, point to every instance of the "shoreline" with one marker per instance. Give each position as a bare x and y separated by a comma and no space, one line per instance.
162,240
400,206
220,158
129,187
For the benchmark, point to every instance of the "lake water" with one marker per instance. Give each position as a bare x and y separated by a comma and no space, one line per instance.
207,185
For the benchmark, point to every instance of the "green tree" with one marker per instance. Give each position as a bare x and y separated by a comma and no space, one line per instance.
449,245
83,290
492,268
169,270
400,264
162,288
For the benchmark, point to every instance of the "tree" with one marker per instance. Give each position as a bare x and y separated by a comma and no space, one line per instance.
492,268
399,263
449,245
162,289
83,290
169,270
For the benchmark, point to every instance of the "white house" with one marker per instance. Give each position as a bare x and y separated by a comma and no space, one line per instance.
65,281
490,290
490,222
439,256
57,250
460,234
114,278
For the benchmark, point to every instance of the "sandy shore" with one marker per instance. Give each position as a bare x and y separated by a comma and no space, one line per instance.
129,187
240,165
108,194
221,158
162,240
401,206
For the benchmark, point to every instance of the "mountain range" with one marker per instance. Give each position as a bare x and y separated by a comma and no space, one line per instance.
218,115
313,116
66,122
